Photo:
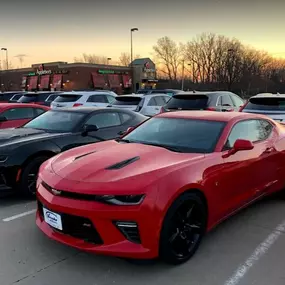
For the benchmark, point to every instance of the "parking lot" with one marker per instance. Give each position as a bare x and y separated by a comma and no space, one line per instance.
246,249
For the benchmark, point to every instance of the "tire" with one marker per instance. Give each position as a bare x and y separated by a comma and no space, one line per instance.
183,228
26,188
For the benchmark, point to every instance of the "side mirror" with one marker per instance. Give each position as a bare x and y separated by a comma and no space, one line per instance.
3,119
123,133
88,129
129,129
239,145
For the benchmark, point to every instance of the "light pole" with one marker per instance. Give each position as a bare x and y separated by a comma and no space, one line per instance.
7,63
108,60
132,69
182,83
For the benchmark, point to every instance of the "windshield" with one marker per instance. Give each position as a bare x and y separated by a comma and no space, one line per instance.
127,101
188,102
49,121
184,135
266,104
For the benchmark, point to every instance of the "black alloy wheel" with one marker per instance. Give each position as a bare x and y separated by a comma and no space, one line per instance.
183,229
28,180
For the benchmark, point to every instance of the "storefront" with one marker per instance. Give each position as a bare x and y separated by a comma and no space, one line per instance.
63,76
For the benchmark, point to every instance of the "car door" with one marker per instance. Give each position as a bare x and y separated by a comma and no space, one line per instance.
245,174
98,100
16,117
109,126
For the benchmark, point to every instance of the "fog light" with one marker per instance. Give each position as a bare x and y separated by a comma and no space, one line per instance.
130,230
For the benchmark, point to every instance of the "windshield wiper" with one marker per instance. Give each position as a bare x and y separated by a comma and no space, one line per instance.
123,140
171,148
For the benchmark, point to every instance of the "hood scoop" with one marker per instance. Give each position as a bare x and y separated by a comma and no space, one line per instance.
85,154
123,163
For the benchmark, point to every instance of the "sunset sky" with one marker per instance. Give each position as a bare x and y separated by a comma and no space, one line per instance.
60,30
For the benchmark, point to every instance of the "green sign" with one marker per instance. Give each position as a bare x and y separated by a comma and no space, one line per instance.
32,74
102,71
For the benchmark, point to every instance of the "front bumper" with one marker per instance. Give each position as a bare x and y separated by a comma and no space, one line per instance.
107,238
7,180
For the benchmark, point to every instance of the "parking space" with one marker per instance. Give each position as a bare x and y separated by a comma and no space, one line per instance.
236,252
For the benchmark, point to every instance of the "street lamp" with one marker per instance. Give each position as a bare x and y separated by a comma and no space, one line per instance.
132,30
5,49
108,60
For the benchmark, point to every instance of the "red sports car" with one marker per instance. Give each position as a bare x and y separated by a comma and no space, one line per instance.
159,189
13,115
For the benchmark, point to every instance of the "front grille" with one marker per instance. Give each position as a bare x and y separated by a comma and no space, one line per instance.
78,227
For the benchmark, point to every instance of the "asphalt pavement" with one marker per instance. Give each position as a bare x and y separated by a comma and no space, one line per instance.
249,248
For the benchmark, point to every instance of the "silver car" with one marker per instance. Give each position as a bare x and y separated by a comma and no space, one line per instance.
272,105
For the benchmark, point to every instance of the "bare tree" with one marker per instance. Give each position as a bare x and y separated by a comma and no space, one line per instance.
125,58
21,58
92,58
168,57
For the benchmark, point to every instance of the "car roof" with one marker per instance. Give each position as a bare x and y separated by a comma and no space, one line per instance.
15,105
268,95
210,115
135,95
86,92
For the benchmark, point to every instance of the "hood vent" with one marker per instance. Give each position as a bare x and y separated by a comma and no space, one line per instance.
85,154
123,163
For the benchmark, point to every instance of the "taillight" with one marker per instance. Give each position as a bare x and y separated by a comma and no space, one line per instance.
77,105
210,109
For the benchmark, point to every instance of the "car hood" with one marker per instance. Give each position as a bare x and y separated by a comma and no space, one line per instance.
110,162
19,135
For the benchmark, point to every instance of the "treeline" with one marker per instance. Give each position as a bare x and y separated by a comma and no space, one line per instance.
218,63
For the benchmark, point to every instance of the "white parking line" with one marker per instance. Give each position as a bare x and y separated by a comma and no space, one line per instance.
19,216
256,255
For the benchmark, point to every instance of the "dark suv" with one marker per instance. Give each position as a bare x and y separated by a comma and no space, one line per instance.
221,101
42,98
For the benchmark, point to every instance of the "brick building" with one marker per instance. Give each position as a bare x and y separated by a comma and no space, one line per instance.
75,76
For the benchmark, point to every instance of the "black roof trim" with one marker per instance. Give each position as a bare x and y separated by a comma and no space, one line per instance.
123,163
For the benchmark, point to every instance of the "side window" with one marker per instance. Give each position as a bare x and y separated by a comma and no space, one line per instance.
219,101
237,101
226,100
105,120
252,130
38,112
18,113
97,99
160,101
125,117
110,99
152,102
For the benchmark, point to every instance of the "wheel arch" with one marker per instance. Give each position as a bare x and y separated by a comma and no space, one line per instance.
47,153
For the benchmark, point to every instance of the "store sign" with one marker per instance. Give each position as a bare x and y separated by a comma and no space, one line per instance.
48,72
147,68
108,71
43,72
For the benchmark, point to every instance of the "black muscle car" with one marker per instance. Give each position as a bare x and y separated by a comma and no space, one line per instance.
24,149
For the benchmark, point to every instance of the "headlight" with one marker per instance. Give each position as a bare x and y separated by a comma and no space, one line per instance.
122,200
3,158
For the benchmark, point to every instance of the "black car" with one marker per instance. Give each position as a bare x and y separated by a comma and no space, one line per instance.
24,149
221,101
16,97
42,98
6,96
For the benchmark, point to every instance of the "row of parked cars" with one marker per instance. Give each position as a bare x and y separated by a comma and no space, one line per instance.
149,187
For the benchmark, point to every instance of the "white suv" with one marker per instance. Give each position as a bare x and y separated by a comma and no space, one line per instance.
148,105
84,98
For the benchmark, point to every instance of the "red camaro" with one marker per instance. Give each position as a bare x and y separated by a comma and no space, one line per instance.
13,115
160,188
